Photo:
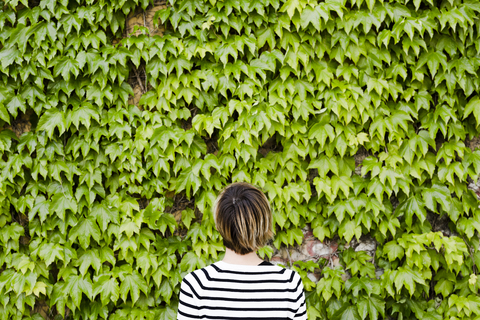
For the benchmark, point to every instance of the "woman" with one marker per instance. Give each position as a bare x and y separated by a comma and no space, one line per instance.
242,286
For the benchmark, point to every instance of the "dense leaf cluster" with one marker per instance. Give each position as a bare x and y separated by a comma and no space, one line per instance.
105,206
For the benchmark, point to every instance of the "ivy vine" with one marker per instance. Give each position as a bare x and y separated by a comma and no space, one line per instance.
106,205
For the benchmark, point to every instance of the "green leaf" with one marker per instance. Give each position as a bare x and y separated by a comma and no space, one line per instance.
51,119
295,235
179,64
84,230
348,229
473,106
187,216
266,62
371,306
129,227
290,6
433,59
196,232
191,261
87,259
437,194
108,289
16,104
444,286
4,113
265,251
342,182
133,283
65,66
82,114
41,207
61,203
11,232
372,165
166,290
265,35
166,220
167,313
406,277
50,252
393,251
104,214
347,312
356,285
188,181
8,55
75,286
311,16
413,205
129,205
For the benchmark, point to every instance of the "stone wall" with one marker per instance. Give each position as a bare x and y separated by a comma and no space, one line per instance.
311,249
142,18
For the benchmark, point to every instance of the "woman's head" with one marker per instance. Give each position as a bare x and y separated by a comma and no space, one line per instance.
243,217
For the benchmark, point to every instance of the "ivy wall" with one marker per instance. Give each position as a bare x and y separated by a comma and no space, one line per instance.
355,117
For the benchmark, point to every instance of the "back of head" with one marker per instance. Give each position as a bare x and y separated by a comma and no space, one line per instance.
243,217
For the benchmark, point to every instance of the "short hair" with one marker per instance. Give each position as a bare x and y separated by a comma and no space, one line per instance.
243,217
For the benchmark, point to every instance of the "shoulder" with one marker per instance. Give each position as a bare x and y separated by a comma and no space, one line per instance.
291,274
220,269
294,276
194,276
291,277
296,283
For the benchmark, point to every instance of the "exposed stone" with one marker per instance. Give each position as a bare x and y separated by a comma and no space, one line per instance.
41,307
21,123
394,201
346,276
361,154
439,223
358,170
321,250
296,255
379,272
178,216
136,81
335,262
277,259
314,248
473,144
312,276
144,18
268,146
370,246
476,188
312,174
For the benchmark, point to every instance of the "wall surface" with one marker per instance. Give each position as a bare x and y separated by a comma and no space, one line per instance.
122,120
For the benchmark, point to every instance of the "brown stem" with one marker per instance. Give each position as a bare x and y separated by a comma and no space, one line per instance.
139,80
289,257
471,256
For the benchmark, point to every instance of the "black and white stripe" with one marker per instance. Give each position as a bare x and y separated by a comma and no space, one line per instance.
226,291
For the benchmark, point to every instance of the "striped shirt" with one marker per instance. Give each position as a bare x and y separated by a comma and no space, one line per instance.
227,291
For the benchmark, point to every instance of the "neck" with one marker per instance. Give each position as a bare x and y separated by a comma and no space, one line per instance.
246,259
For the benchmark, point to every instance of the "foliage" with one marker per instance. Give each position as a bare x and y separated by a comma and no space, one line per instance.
105,206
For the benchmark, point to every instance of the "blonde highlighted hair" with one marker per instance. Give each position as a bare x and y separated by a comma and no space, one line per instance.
243,217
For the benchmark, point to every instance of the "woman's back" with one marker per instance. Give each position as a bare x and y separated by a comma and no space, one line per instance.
232,291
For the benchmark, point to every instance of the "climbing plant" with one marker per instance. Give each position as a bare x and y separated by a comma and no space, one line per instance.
353,117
